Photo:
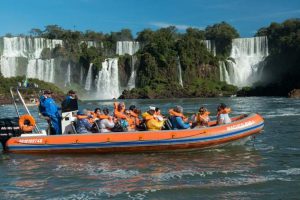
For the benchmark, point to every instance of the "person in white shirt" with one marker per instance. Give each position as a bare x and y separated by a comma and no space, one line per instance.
223,114
106,124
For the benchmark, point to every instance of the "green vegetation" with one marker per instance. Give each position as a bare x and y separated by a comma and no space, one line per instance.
164,49
6,83
222,34
157,69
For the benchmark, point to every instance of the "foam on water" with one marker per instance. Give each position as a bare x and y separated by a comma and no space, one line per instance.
101,170
291,171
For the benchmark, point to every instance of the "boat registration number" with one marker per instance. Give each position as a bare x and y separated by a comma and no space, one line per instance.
241,125
31,141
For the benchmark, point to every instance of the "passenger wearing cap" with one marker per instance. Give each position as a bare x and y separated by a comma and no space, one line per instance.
152,123
49,109
83,125
177,120
223,114
70,103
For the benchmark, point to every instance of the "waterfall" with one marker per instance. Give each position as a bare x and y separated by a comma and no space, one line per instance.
131,81
8,66
210,46
68,78
16,51
179,72
248,55
127,47
41,69
89,81
224,76
81,75
108,80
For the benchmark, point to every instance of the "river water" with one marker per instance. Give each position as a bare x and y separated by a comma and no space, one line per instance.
267,167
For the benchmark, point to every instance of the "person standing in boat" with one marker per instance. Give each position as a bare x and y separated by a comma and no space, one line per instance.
178,120
49,109
223,114
70,103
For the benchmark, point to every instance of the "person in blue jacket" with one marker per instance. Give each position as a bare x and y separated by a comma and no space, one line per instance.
49,109
83,125
177,121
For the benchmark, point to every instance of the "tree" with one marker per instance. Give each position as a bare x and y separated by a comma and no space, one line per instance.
222,34
35,32
53,32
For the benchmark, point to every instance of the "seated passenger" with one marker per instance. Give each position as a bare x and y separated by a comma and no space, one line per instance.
106,124
222,116
158,114
131,120
202,117
119,109
134,116
96,113
172,112
89,115
152,123
177,119
83,125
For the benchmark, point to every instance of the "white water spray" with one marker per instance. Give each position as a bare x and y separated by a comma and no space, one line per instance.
248,55
108,80
89,81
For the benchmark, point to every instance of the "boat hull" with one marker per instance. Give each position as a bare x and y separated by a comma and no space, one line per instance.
139,141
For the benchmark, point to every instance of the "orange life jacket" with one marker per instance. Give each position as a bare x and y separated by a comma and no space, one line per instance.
173,113
224,111
119,114
135,117
203,118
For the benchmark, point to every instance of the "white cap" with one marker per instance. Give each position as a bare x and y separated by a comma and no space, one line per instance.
151,108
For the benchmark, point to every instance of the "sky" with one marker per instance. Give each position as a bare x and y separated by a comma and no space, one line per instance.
247,16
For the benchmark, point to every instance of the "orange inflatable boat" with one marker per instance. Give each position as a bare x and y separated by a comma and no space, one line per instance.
138,141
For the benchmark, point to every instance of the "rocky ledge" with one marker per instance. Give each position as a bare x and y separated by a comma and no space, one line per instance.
295,93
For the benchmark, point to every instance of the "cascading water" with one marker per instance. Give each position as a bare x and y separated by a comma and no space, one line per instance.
248,55
130,48
68,78
179,72
41,69
127,47
15,49
210,46
8,64
131,81
108,80
89,80
81,75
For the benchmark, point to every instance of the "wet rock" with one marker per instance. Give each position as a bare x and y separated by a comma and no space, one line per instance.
295,93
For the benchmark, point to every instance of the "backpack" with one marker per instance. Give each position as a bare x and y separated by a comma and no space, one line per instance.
120,126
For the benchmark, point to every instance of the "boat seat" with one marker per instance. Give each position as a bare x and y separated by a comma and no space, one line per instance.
98,130
73,124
